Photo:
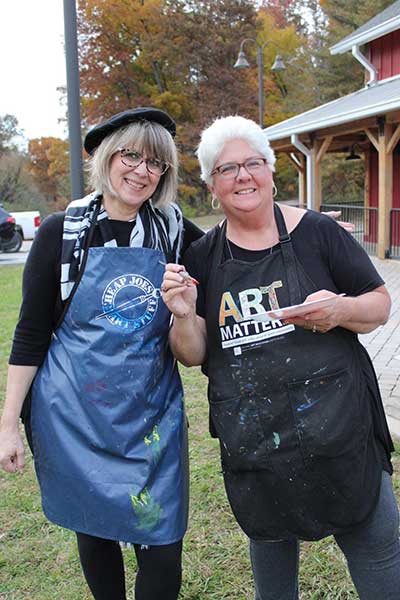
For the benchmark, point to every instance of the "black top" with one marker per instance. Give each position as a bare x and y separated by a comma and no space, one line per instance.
326,251
41,301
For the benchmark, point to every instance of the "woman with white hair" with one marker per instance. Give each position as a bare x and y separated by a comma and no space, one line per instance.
305,447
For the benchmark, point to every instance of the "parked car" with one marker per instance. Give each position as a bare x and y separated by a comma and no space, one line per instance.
10,233
28,221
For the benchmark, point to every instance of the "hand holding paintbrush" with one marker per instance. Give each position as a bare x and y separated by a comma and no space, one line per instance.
178,290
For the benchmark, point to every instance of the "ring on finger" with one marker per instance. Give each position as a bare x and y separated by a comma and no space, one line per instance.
314,329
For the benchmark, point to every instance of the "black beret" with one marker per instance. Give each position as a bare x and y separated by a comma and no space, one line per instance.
96,135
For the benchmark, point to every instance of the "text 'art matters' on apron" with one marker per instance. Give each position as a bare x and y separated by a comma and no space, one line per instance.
109,430
290,407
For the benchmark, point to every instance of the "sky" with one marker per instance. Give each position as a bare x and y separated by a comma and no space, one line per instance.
32,65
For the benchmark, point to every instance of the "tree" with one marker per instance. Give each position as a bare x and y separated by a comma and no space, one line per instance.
340,75
49,160
17,189
8,130
174,54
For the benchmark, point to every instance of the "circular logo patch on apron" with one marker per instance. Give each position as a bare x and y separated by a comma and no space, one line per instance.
129,302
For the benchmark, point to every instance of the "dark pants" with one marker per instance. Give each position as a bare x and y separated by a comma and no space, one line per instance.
372,552
159,569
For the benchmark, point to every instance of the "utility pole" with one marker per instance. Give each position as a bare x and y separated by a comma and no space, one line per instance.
73,96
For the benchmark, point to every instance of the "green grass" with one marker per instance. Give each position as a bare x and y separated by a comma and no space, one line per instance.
38,560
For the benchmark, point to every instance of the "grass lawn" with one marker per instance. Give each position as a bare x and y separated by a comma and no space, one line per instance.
38,560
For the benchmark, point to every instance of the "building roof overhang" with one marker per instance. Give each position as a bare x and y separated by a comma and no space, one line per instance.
382,24
377,100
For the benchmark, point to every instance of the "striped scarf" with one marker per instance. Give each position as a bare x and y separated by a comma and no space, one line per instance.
158,228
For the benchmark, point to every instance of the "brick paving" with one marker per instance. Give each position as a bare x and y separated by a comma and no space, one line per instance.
383,346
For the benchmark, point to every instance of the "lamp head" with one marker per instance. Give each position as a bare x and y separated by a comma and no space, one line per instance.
242,62
278,65
353,155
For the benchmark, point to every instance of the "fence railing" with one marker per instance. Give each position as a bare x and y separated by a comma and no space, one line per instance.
394,248
365,220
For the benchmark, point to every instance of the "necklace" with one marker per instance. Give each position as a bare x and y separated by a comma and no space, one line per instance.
267,251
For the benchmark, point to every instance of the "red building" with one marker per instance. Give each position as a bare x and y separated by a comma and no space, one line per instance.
368,120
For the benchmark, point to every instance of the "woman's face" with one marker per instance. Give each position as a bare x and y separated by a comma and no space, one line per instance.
247,191
133,186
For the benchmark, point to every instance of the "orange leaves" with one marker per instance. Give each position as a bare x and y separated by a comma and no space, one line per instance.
49,166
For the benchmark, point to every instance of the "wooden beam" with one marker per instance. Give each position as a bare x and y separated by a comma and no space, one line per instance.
385,188
297,162
374,141
324,147
317,192
393,117
393,140
346,128
303,182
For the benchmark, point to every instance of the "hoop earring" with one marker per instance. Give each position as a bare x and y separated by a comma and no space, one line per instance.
274,190
215,205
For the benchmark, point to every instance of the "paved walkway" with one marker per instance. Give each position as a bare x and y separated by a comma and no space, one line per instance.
383,346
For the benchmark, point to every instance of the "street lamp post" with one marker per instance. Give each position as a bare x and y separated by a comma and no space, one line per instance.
74,117
242,63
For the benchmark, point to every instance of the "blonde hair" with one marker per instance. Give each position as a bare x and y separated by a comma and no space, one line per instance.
146,137
225,129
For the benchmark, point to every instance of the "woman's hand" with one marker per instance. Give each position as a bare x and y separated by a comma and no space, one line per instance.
335,214
187,336
178,291
323,319
12,453
360,314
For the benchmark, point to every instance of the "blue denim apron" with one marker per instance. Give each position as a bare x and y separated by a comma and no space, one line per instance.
108,422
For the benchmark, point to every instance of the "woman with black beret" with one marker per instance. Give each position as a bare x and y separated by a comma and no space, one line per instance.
106,419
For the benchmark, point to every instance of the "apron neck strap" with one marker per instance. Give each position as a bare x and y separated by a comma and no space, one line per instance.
289,257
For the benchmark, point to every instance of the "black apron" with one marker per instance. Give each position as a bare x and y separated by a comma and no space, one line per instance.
291,408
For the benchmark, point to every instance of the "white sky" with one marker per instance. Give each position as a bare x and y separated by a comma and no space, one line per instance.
32,65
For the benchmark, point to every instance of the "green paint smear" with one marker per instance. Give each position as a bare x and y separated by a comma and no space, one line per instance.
152,441
277,439
146,510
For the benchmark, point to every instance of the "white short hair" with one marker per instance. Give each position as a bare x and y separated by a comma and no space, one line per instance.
224,129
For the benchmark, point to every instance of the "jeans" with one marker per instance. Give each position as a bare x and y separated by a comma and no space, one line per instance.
372,552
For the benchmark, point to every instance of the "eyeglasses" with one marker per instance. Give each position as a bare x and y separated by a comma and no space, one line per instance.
133,159
231,170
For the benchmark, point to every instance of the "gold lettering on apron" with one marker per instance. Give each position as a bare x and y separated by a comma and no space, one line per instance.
228,308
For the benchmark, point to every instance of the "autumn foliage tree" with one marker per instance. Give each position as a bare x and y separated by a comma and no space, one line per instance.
174,55
49,167
177,55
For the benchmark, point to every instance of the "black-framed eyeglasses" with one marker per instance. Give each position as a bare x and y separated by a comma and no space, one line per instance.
231,170
132,159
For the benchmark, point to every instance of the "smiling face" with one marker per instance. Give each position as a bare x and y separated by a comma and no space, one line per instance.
133,186
246,192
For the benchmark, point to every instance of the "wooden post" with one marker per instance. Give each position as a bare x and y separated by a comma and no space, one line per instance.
385,186
318,152
367,199
317,191
299,161
302,182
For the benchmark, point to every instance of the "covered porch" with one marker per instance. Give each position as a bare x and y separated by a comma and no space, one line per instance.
367,120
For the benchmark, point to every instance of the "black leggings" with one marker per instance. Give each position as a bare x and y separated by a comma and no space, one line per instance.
159,569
